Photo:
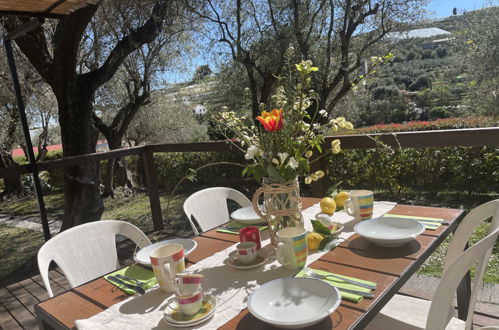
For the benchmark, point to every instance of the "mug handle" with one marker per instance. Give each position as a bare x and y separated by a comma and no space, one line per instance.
349,207
280,254
167,271
256,197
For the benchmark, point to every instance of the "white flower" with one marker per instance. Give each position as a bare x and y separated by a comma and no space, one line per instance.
308,180
282,156
309,153
251,152
293,163
323,113
275,161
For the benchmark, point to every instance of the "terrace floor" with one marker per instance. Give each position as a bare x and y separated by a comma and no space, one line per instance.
17,302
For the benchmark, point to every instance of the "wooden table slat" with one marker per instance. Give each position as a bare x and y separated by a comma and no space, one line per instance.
411,250
368,260
80,308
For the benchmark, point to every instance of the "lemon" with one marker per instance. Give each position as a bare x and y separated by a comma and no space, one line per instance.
314,240
340,198
328,205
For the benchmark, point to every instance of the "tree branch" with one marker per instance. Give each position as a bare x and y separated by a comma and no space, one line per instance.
144,34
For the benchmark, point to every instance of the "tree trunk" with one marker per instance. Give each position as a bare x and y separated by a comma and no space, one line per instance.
82,201
13,185
112,166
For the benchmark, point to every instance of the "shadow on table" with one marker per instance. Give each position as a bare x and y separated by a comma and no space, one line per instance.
364,248
250,322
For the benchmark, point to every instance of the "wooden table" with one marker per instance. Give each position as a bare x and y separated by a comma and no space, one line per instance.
390,268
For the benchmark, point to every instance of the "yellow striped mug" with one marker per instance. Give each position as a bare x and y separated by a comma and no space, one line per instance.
292,247
360,204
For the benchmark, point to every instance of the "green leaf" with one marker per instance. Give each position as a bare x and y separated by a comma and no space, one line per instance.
320,228
328,243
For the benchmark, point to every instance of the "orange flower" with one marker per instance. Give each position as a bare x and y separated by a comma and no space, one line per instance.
271,121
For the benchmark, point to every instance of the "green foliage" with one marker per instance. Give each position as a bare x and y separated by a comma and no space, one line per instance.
421,82
439,112
172,167
470,170
441,51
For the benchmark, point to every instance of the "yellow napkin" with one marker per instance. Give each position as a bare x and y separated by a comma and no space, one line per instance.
428,224
144,276
234,227
342,284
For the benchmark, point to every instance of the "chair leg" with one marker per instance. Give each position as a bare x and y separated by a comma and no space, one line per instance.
463,296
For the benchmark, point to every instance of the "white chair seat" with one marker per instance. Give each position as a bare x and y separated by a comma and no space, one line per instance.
407,313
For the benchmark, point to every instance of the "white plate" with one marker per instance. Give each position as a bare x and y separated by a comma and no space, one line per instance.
172,307
247,215
389,231
142,256
232,261
294,302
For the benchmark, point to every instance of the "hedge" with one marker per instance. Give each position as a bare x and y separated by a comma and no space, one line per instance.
467,170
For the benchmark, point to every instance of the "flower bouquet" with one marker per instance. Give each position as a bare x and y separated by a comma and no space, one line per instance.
283,144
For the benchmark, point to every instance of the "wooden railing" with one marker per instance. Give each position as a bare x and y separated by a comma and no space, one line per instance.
474,137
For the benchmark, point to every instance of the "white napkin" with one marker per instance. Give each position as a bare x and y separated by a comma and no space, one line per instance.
231,287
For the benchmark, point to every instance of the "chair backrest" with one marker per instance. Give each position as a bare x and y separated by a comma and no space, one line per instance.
209,207
464,231
442,300
86,251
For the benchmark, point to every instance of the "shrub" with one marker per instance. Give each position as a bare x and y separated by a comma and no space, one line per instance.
439,112
421,82
384,92
428,54
441,52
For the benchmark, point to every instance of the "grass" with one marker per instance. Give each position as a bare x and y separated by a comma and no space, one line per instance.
18,251
433,265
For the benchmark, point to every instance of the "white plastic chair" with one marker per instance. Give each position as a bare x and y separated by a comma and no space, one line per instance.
406,313
86,251
209,207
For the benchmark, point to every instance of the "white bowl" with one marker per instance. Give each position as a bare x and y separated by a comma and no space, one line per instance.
142,256
247,215
294,302
389,231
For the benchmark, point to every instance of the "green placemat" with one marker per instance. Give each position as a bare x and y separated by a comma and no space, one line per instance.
341,284
428,224
234,227
136,272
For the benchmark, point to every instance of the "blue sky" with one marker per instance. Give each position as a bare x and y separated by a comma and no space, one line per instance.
443,8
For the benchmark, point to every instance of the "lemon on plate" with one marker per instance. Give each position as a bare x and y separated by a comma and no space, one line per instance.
340,198
314,240
328,205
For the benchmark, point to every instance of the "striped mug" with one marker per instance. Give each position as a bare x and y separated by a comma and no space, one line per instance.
360,204
167,261
292,247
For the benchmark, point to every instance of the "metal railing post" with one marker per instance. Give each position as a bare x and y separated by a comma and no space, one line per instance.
29,146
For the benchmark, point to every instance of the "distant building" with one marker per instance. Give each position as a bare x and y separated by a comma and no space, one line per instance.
199,109
418,33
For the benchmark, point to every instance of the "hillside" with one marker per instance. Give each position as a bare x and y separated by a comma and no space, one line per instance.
425,80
